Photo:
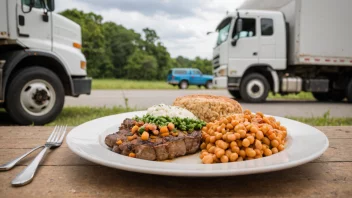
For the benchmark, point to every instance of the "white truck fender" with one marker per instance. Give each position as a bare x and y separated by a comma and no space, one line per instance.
275,80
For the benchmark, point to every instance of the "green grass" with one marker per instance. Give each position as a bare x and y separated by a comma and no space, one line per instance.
300,96
132,84
74,116
324,120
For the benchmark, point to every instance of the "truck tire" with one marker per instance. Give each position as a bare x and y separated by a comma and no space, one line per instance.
349,91
254,88
235,93
322,97
208,84
35,96
183,84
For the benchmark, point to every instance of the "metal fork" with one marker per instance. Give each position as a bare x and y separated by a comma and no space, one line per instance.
54,141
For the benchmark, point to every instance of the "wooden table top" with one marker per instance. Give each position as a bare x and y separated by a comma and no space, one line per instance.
64,174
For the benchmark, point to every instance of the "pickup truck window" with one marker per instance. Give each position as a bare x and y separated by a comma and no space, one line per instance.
180,72
267,27
197,72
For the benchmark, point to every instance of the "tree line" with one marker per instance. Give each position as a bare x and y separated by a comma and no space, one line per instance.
113,51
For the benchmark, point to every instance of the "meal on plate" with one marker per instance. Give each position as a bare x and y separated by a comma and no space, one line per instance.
165,132
215,125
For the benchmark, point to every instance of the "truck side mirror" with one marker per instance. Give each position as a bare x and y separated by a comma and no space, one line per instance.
50,5
29,3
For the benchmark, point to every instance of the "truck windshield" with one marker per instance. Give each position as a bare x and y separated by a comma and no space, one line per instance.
223,31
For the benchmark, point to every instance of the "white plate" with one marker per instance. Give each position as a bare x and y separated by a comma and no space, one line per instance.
304,144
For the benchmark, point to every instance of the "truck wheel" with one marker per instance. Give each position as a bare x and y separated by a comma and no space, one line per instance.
349,91
235,93
322,97
35,96
183,84
336,96
209,84
254,88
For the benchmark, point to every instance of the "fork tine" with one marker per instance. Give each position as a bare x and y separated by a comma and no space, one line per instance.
63,135
52,134
58,134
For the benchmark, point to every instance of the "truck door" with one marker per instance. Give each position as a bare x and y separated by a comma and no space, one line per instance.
196,77
267,54
245,51
34,29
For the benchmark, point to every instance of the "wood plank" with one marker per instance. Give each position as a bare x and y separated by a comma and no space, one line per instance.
336,131
310,180
338,151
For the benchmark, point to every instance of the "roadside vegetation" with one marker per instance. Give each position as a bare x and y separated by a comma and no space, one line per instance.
74,116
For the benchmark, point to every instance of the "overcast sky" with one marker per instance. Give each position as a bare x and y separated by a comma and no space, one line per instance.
180,24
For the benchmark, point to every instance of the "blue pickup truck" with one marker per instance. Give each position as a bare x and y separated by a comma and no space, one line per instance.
183,77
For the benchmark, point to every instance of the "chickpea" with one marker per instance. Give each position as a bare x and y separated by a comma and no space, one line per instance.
251,139
239,159
272,136
246,142
265,128
224,137
211,149
132,155
274,150
254,129
134,129
234,122
235,149
267,152
228,153
205,129
264,146
242,133
259,135
242,153
215,159
275,143
155,132
266,141
203,146
281,147
218,135
250,152
240,126
218,129
145,136
219,153
266,120
260,114
249,158
233,157
258,156
212,139
232,144
209,145
119,142
229,126
208,159
152,127
258,144
207,139
224,159
231,137
164,129
248,127
238,136
239,143
257,151
223,131
222,144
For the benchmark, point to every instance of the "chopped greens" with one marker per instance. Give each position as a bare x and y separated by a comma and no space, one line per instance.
183,124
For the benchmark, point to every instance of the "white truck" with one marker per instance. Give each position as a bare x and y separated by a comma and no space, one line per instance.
286,46
40,61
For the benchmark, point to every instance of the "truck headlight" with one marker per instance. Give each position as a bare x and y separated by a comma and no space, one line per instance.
222,72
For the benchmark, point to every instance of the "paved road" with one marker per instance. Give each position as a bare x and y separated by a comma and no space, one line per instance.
144,98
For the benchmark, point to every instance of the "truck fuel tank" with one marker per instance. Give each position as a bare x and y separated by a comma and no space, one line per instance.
291,84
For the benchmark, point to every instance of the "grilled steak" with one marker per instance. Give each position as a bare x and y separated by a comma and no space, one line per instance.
161,148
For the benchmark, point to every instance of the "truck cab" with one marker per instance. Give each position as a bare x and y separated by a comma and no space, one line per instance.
40,60
285,47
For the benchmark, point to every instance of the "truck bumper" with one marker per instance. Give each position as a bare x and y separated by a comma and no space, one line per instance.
82,86
220,82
